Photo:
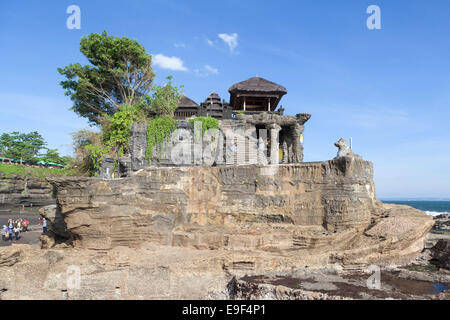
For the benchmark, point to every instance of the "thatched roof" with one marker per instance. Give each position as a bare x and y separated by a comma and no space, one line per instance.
187,103
257,84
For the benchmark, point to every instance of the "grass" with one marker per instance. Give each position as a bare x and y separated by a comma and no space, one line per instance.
427,268
440,232
39,173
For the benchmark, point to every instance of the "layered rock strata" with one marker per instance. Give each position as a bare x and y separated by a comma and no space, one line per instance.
318,213
21,190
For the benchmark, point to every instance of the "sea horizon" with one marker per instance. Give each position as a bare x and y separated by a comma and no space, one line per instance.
431,206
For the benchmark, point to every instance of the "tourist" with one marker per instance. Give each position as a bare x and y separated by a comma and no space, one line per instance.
10,229
25,224
44,225
5,232
17,231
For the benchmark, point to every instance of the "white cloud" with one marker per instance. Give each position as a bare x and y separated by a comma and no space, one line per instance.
171,63
211,69
230,40
210,42
179,45
206,71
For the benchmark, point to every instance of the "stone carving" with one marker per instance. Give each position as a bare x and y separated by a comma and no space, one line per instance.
344,150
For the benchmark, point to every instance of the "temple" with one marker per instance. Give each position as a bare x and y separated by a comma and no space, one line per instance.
252,96
250,131
256,95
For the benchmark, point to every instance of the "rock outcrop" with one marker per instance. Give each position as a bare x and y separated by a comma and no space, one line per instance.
442,222
317,213
308,205
441,254
56,224
187,232
20,190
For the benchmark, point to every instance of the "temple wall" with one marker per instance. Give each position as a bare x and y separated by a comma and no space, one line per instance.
247,139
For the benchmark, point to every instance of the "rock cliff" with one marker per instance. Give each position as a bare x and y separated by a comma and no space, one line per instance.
190,232
20,190
324,211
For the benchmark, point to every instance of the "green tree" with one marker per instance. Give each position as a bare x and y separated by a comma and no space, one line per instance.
117,128
119,72
165,99
86,156
52,155
23,146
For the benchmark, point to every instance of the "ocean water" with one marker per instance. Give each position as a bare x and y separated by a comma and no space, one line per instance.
432,208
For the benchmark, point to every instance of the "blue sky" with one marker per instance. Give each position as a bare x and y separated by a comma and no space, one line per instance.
389,89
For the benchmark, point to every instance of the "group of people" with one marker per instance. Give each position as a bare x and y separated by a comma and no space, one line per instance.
13,229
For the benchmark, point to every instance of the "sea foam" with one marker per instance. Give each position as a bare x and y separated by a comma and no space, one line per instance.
435,213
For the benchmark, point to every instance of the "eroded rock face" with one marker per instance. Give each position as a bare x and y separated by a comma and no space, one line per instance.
442,222
153,233
56,223
295,206
25,191
317,213
441,254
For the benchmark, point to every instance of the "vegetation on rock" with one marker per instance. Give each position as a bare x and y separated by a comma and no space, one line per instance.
158,129
165,99
207,123
113,91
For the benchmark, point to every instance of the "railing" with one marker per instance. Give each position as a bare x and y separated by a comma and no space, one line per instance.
247,112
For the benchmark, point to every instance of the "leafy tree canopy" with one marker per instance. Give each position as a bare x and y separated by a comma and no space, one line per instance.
165,99
52,155
23,146
119,72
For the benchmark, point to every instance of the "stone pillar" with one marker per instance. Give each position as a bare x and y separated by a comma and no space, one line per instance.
274,143
285,153
251,145
297,155
262,152
240,146
138,146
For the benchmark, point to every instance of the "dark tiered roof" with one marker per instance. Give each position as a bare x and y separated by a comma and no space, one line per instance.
186,102
186,108
213,106
257,84
213,100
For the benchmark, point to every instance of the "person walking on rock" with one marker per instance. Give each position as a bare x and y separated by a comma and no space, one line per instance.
10,229
44,225
17,231
4,232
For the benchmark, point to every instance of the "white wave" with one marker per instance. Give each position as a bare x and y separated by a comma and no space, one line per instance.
435,213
